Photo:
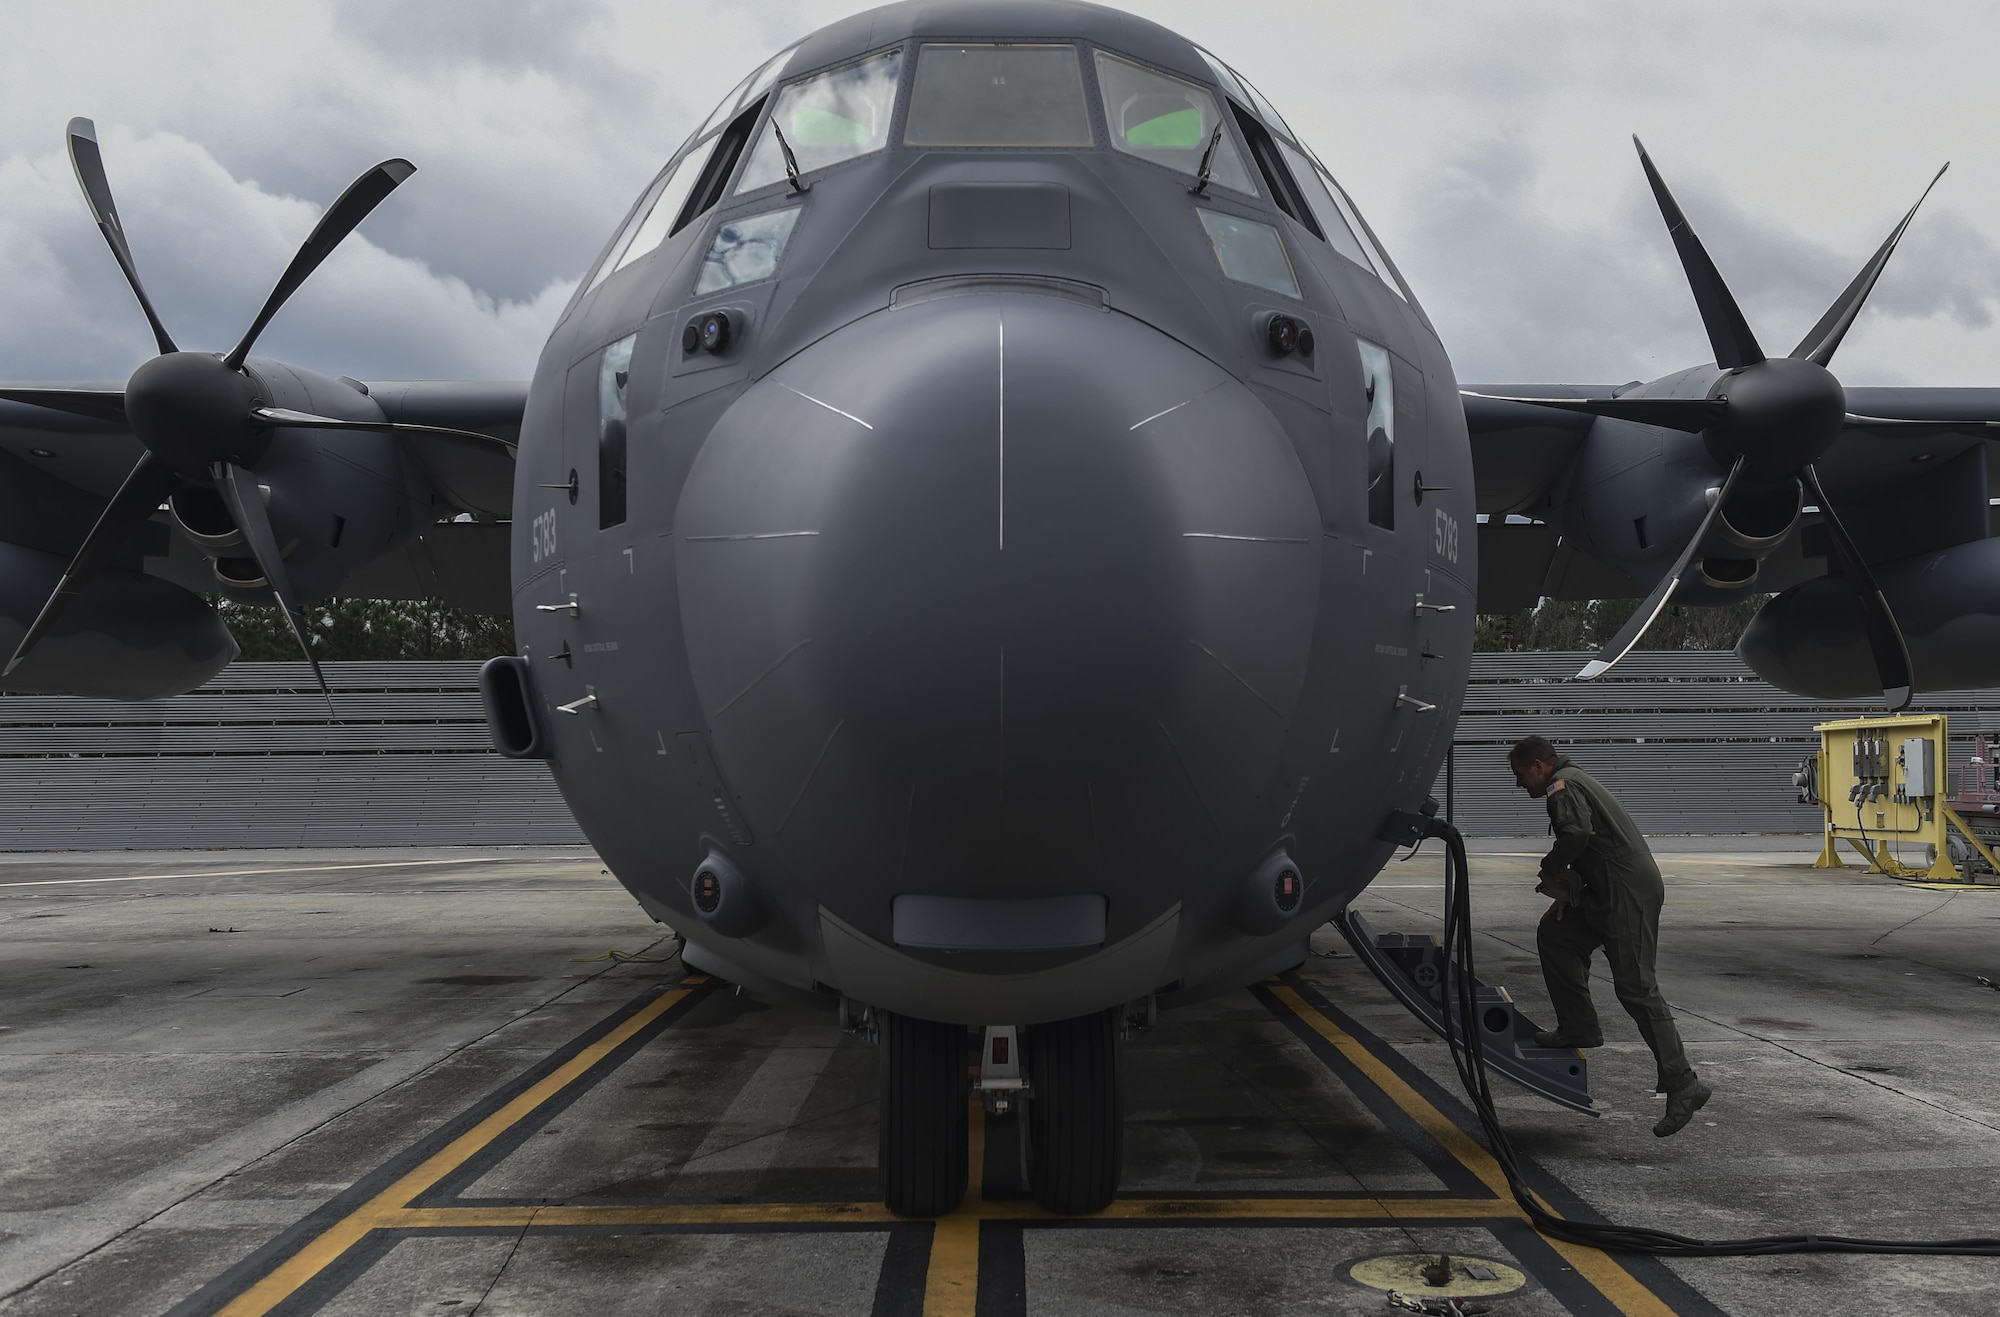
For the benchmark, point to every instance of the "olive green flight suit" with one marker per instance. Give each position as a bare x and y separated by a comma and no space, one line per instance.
1620,911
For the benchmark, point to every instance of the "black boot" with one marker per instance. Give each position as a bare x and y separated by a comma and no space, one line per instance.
1562,1038
1681,1107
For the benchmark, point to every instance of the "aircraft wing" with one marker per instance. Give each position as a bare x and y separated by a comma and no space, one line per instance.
1520,453
1902,461
65,465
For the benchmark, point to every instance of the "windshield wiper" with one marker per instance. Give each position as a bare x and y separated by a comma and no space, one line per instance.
1200,187
791,161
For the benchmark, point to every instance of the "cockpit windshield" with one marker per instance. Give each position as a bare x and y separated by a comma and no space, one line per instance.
995,95
828,118
1167,121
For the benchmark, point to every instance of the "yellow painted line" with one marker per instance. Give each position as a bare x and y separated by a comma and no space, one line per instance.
1612,1280
383,1210
951,1285
815,1214
662,1214
1434,1122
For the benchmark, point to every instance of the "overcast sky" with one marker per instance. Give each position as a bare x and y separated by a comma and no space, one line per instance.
1488,144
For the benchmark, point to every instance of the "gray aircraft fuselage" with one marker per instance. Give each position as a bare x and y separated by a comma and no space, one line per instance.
996,603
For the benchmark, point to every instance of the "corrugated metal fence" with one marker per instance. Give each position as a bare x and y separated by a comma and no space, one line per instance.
250,760
1692,742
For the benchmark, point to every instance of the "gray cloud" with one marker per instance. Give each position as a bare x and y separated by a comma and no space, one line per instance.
209,247
1487,146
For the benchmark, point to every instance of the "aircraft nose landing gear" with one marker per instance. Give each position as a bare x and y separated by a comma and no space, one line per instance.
1076,1113
925,1090
1070,1103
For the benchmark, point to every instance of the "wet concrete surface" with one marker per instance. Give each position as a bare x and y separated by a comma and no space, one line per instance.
211,1065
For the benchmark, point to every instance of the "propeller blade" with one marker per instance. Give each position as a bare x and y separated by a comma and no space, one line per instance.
1728,332
361,197
1885,638
88,162
308,421
1900,426
1821,340
97,404
149,481
1649,611
1691,414
246,507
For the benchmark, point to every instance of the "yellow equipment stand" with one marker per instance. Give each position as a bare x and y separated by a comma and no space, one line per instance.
1883,783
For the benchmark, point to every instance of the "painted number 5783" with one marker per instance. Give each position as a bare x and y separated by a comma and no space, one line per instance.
1444,540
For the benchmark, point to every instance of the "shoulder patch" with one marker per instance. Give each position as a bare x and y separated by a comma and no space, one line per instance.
1558,785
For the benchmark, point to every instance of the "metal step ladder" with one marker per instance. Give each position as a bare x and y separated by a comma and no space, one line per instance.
1412,966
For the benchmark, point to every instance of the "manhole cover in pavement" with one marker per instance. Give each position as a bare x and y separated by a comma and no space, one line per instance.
1404,1272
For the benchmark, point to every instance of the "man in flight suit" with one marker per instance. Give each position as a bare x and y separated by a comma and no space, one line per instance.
1608,894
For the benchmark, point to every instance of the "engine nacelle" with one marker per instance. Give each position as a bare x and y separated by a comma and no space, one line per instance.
1639,513
126,637
1809,639
338,499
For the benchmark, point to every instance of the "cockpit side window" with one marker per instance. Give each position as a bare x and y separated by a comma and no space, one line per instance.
1264,149
751,88
1168,121
1319,196
826,119
614,374
1359,227
998,95
666,197
714,177
1378,385
1299,183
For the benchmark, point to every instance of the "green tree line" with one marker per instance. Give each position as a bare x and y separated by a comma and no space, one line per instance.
1588,624
344,629
428,629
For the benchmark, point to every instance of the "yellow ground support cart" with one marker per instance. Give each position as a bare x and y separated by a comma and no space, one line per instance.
1882,784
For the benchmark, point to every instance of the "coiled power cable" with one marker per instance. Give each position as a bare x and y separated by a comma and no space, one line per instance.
1463,1034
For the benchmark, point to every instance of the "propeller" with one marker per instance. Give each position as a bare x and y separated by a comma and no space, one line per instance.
1769,420
199,415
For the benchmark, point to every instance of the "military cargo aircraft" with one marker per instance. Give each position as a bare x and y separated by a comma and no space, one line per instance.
991,539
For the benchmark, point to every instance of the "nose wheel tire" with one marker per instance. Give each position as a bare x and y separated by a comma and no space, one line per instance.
925,1092
1076,1117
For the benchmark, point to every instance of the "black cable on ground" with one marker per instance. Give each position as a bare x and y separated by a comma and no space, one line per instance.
1468,1055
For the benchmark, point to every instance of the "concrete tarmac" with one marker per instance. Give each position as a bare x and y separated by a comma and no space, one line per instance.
420,1082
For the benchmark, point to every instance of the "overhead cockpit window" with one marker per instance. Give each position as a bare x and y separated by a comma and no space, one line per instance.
1378,384
993,95
1250,252
826,119
1167,121
746,250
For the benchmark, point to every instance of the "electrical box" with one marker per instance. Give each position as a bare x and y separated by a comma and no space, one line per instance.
1879,785
1919,759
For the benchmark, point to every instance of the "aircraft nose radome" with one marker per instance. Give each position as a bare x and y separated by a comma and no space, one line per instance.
972,584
